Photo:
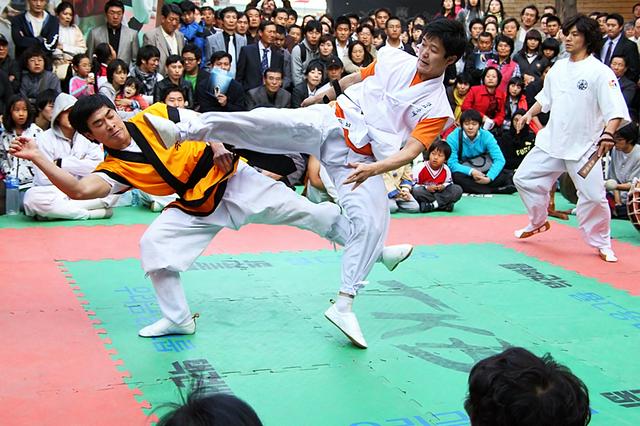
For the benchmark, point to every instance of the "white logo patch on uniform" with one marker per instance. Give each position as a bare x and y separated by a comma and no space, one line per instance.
583,85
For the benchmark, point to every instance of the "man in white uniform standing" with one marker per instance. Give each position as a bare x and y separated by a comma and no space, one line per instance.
399,99
587,107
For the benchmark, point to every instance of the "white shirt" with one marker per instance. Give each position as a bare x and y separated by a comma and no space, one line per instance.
262,48
36,23
172,41
342,51
582,97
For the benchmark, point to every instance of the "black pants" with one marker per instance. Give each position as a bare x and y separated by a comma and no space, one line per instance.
447,196
470,186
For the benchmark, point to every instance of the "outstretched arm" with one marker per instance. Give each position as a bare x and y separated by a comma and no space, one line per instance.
87,188
344,82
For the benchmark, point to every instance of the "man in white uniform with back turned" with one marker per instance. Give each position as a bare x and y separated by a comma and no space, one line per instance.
398,100
587,107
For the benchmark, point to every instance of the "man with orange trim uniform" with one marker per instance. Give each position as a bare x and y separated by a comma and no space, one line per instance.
398,100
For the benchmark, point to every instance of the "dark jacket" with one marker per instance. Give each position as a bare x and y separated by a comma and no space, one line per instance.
207,100
33,84
165,83
534,68
629,50
23,37
299,94
6,90
249,70
258,98
11,68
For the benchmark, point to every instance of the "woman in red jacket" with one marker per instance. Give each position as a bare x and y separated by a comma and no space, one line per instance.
488,99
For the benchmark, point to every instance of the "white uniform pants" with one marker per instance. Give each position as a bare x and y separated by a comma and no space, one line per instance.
175,239
49,202
313,130
539,172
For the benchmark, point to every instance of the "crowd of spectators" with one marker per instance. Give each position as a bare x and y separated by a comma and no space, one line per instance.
268,56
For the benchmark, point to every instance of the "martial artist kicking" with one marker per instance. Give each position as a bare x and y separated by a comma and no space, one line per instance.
399,99
584,98
217,190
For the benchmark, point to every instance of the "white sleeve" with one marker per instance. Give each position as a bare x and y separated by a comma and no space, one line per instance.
116,187
610,98
544,97
187,114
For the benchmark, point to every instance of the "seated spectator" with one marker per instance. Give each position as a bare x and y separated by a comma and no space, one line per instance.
457,93
517,388
18,121
379,38
530,58
146,70
487,99
35,78
357,58
413,47
476,160
335,69
35,29
550,49
174,77
624,167
319,187
280,43
515,145
491,28
173,96
476,60
516,100
83,81
398,184
628,87
364,34
434,188
502,61
71,152
9,65
271,93
70,39
215,98
511,28
326,50
130,98
44,108
117,73
6,90
103,55
217,409
314,76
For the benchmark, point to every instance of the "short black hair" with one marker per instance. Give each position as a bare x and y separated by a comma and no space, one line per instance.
470,115
171,89
532,7
315,64
508,21
504,39
518,81
486,71
228,9
192,48
33,52
554,18
450,33
393,18
586,26
516,387
216,409
620,56
551,44
342,20
45,98
169,8
619,19
476,21
280,29
629,133
273,69
217,55
133,81
312,25
464,77
172,59
147,52
84,107
187,6
382,9
279,10
441,146
113,3
265,24
64,5
7,119
114,66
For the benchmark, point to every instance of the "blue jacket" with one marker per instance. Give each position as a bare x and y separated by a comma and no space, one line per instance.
195,33
484,142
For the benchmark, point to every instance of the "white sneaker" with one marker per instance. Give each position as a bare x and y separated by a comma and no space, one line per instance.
392,256
607,255
164,327
166,130
348,324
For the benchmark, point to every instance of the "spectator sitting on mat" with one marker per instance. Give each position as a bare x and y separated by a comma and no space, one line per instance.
517,388
624,167
434,188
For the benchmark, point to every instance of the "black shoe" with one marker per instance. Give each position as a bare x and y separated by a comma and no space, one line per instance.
508,189
448,208
426,207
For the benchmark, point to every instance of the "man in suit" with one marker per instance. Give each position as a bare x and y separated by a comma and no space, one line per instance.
255,59
35,28
616,44
122,39
227,39
166,37
270,94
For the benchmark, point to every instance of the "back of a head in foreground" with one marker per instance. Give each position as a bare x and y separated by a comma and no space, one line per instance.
211,410
517,388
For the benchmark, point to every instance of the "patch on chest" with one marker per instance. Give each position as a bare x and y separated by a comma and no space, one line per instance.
583,85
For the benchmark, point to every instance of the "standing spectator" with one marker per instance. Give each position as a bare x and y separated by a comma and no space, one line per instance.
243,25
271,93
530,58
496,8
550,49
434,188
295,31
35,28
381,16
255,59
357,58
227,39
503,62
628,87
279,43
211,98
491,28
365,36
9,65
476,160
70,39
528,19
117,72
394,30
306,51
326,49
510,28
447,10
208,21
193,32
617,45
471,12
196,75
35,78
146,70
175,77
166,38
342,34
623,169
476,60
488,99
253,15
379,38
457,93
314,76
122,39
553,27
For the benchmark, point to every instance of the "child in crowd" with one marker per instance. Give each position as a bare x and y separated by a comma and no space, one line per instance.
434,188
103,55
516,99
44,108
18,121
83,81
398,184
35,78
130,99
624,167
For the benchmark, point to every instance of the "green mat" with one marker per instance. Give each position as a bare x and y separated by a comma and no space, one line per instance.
262,336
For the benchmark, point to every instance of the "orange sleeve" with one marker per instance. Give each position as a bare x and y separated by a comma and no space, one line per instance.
368,71
428,130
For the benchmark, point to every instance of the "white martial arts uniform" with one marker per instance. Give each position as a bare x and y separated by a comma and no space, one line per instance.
582,97
79,157
382,110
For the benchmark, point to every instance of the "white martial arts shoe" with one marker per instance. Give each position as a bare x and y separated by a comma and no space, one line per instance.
348,324
164,327
530,231
165,130
607,255
392,256
100,213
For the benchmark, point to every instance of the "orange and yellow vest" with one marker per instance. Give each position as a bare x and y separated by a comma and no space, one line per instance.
186,169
